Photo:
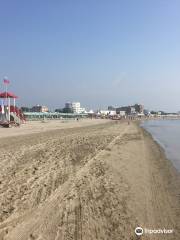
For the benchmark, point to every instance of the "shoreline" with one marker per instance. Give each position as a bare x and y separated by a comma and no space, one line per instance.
98,181
175,174
170,176
161,145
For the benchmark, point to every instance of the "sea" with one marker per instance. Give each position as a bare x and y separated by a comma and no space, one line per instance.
167,134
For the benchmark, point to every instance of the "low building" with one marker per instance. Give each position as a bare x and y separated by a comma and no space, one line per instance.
112,113
39,108
122,113
103,112
107,112
125,109
131,110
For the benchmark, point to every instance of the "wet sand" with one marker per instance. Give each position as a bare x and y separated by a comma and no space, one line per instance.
89,182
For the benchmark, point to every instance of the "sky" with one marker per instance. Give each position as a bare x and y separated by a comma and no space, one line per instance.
98,52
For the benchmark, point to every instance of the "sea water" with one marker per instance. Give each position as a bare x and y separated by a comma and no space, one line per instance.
167,134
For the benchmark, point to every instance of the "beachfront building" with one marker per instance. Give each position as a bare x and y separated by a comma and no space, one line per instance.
68,105
131,110
125,109
112,113
106,113
122,113
75,107
139,108
103,112
39,108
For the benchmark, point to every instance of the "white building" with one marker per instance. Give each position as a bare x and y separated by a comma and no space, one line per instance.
133,110
122,113
107,112
104,112
112,113
75,106
39,108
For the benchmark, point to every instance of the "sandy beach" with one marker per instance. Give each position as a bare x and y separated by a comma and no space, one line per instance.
85,180
43,126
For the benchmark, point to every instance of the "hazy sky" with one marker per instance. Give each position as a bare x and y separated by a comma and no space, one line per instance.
98,52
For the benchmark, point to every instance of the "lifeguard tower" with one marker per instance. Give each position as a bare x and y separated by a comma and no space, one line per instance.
10,115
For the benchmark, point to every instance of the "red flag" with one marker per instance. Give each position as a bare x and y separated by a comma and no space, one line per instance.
6,81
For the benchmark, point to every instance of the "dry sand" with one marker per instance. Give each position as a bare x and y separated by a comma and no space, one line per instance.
47,125
92,182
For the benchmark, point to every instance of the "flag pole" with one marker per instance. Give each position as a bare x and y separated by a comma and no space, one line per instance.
6,94
8,103
9,111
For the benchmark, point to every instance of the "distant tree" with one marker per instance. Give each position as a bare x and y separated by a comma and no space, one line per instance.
25,109
111,108
153,112
163,113
59,110
67,110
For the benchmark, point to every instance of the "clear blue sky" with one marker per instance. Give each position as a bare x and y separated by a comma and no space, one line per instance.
98,52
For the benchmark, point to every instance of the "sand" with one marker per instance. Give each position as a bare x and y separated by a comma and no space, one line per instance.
43,126
97,180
